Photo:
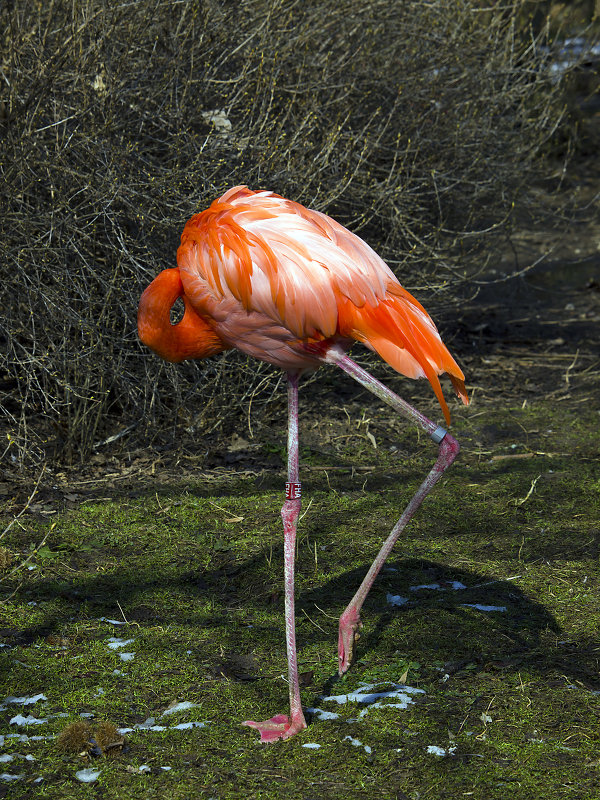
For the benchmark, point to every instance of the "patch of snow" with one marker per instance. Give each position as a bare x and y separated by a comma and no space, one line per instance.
183,706
572,51
112,621
126,656
456,585
6,776
366,696
21,720
5,757
357,743
25,701
87,775
311,745
149,725
396,599
186,725
434,750
425,586
146,725
481,607
321,714
114,643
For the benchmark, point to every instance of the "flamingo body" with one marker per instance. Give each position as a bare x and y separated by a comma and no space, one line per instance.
283,283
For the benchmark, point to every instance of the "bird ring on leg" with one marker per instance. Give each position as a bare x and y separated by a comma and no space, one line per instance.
293,491
438,434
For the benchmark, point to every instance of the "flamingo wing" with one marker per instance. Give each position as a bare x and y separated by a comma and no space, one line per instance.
276,257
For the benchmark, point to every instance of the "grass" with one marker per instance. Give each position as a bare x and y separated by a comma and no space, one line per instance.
195,570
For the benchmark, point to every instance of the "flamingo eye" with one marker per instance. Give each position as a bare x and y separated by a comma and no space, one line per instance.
177,311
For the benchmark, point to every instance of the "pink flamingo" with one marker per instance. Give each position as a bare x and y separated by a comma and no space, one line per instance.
291,286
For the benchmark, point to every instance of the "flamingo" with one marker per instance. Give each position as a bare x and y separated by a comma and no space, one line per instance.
293,287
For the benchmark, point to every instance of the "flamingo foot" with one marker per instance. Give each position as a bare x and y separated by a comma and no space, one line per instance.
348,636
278,727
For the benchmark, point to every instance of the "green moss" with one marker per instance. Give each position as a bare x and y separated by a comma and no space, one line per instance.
195,572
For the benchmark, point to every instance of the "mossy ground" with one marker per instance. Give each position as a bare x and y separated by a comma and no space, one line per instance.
188,555
195,571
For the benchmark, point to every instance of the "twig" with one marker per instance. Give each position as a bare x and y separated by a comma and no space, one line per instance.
529,493
27,504
33,553
570,367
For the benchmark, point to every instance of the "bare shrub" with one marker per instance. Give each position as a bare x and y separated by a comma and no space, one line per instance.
413,123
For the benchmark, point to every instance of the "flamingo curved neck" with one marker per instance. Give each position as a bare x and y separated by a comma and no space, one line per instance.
192,337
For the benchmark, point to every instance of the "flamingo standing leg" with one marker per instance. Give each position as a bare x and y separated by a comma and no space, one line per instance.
282,726
448,450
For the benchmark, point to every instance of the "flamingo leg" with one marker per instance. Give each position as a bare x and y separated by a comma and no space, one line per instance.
448,450
282,726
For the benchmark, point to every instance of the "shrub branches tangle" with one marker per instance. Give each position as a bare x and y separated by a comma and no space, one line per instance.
405,120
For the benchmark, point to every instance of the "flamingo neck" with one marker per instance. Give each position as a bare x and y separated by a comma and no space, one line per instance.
192,337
